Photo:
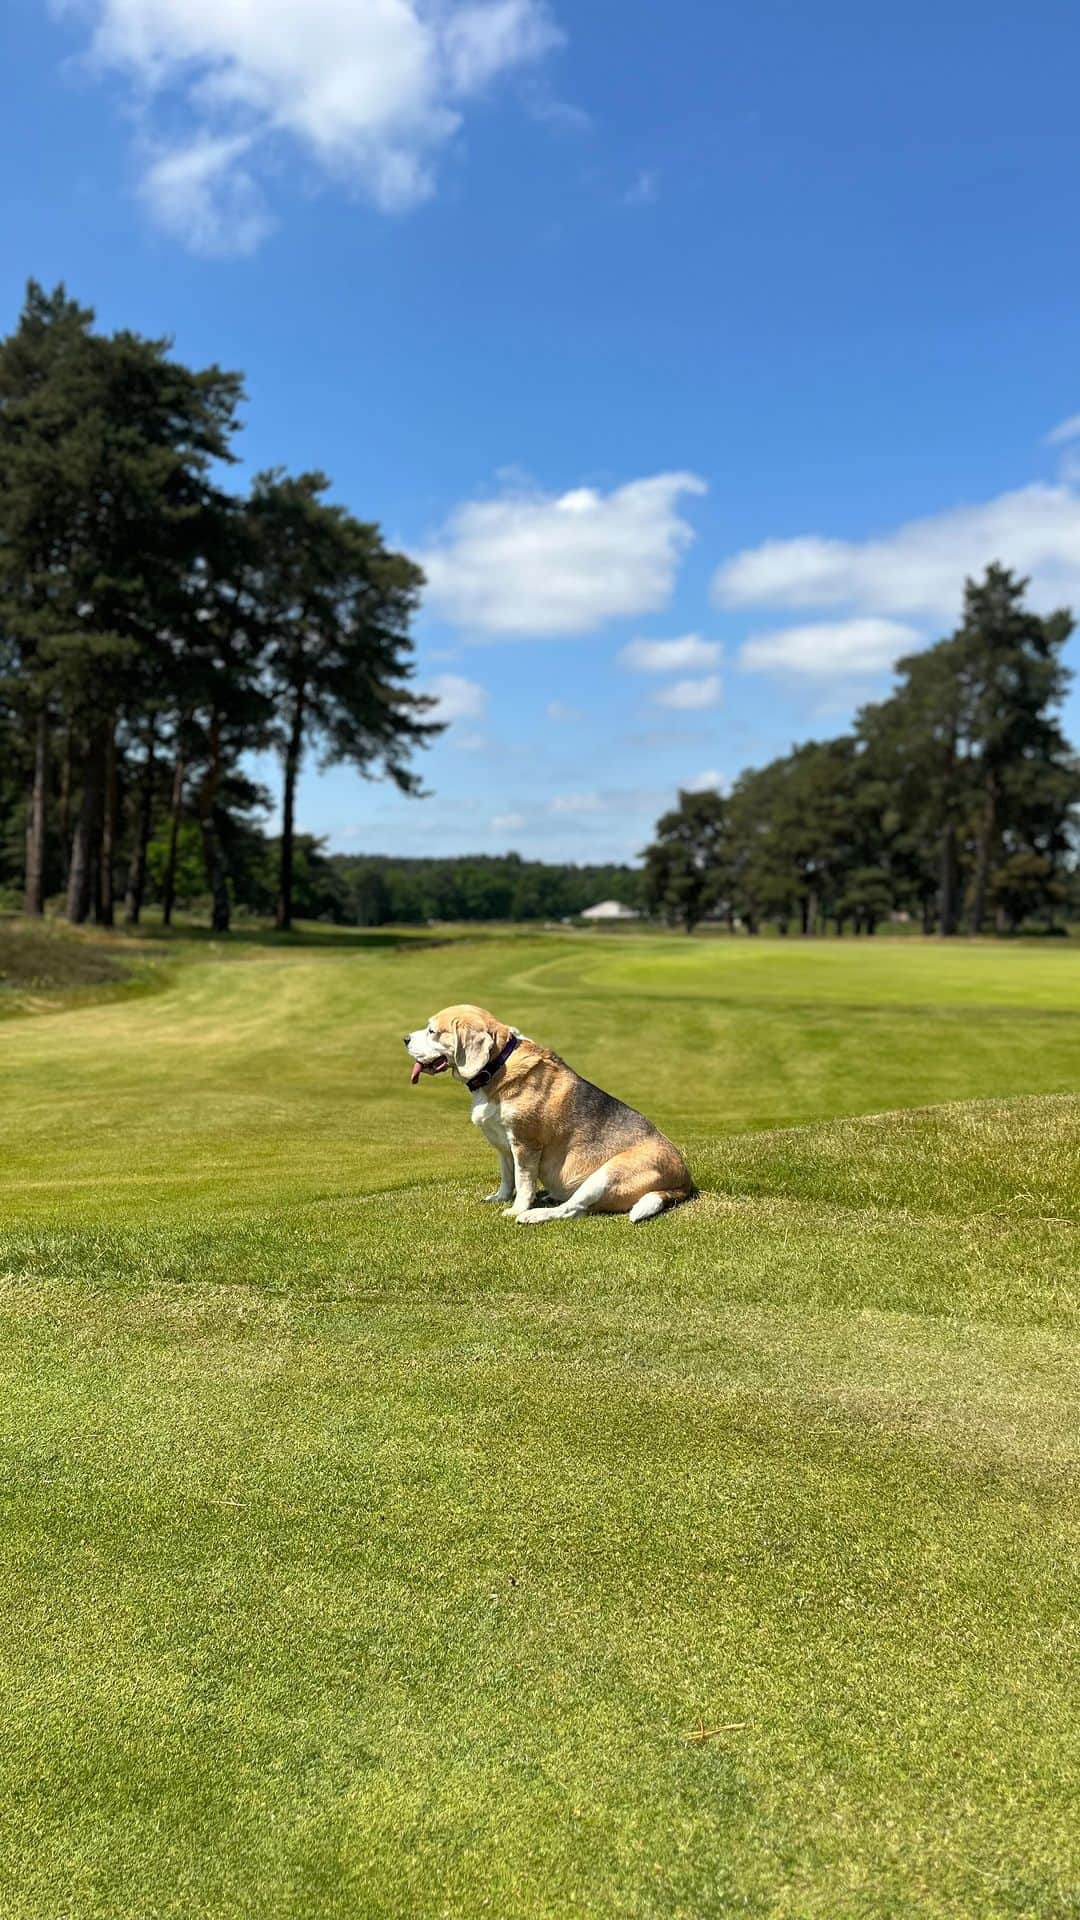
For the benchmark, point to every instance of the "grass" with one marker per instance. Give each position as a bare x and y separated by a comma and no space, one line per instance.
44,965
363,1554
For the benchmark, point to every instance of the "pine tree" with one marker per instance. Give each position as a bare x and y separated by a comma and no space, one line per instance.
684,866
223,707
917,747
106,443
1012,668
46,388
333,607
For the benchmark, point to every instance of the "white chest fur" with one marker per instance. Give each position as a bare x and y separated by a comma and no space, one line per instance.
491,1117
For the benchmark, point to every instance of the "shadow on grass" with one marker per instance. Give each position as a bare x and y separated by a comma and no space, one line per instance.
336,939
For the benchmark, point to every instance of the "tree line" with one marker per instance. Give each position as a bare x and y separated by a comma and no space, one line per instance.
953,801
376,890
157,628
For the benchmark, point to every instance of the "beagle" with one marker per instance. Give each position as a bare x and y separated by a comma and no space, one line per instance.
549,1126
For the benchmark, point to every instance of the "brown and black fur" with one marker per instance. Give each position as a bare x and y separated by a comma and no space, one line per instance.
591,1152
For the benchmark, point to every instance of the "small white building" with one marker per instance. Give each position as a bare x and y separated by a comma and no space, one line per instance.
610,910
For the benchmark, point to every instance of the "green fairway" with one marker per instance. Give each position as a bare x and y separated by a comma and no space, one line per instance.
366,1554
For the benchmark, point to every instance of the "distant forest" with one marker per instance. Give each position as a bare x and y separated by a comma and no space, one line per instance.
157,630
374,890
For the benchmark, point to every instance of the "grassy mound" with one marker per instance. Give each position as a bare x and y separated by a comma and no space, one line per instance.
46,965
364,1553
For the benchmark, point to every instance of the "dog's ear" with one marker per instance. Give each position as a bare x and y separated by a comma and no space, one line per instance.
473,1048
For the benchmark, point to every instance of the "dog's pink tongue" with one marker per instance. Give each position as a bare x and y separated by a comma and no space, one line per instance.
415,1074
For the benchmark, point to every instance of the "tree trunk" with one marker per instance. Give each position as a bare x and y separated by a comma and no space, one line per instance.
217,877
983,855
136,882
947,908
283,917
106,906
65,809
86,844
34,899
1049,908
927,916
176,808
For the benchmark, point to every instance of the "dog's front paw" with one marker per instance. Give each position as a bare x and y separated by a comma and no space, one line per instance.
500,1193
533,1216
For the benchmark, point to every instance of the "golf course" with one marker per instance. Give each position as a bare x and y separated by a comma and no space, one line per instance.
364,1554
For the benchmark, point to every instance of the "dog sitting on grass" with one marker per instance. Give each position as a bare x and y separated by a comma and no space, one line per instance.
548,1126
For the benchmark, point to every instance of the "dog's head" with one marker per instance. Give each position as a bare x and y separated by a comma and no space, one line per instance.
464,1038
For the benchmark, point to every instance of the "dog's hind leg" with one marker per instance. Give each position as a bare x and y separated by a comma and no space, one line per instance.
630,1182
586,1199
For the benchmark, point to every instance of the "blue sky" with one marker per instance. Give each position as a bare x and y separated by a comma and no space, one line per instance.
697,350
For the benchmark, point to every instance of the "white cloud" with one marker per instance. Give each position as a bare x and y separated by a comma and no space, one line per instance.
531,564
1067,430
825,649
690,696
203,194
367,90
562,715
456,698
600,815
711,782
578,803
563,115
688,655
482,39
616,826
920,567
